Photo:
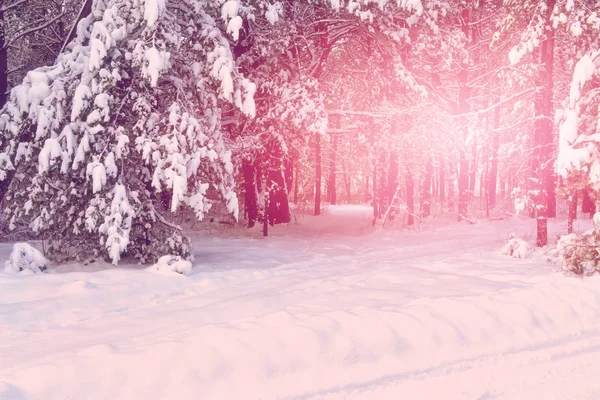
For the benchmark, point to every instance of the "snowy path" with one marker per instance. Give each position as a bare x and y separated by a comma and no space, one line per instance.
321,310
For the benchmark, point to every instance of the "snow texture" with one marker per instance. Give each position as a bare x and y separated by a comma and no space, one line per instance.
234,26
273,12
117,223
156,62
229,10
152,10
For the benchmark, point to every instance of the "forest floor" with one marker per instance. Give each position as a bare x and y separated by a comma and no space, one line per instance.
325,308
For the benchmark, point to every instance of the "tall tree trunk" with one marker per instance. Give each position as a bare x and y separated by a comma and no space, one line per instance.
383,189
375,194
3,62
473,167
426,190
296,178
331,186
572,211
463,108
317,174
410,198
463,186
259,176
288,165
451,188
266,216
442,188
493,172
347,183
250,200
485,184
392,183
9,174
278,207
544,140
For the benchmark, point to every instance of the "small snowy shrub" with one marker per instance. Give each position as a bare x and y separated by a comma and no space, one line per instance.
24,257
515,247
579,254
173,263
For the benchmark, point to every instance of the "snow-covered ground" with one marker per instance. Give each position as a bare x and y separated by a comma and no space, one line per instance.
325,308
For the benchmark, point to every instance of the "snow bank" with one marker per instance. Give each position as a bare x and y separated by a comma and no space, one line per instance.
26,258
174,264
311,315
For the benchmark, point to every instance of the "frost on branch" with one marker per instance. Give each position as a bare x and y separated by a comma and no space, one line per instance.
131,112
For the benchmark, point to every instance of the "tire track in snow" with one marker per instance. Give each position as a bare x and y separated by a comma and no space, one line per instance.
507,365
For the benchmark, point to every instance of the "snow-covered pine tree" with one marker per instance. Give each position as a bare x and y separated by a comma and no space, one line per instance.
130,109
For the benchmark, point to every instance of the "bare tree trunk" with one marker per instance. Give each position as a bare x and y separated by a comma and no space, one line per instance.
473,166
544,140
375,194
250,200
3,62
9,174
463,186
266,216
463,108
317,174
442,182
410,198
347,183
331,187
392,183
485,176
493,172
572,211
296,176
485,179
278,208
288,166
426,190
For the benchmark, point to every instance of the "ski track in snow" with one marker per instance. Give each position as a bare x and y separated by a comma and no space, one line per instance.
323,309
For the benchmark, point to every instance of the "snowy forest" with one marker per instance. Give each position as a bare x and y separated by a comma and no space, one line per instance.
120,116
299,199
